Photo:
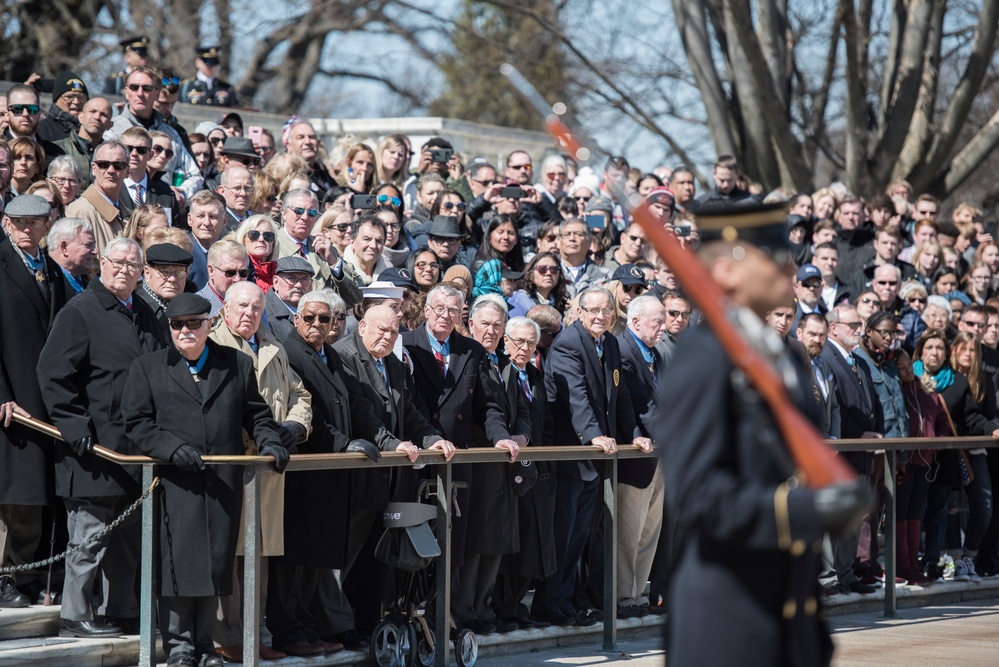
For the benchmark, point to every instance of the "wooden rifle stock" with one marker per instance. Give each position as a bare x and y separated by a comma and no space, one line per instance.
819,464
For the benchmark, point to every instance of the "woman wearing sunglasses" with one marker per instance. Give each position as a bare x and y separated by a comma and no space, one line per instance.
542,284
258,234
450,202
627,282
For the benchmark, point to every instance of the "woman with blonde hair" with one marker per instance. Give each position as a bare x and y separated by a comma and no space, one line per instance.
825,202
173,235
284,164
49,191
927,259
265,194
143,219
335,223
258,234
357,169
391,159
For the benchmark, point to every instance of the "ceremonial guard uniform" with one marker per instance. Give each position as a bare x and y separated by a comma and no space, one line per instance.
138,47
204,88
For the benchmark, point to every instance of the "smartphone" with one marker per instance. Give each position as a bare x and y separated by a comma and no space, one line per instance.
595,221
442,155
512,192
682,230
363,201
253,133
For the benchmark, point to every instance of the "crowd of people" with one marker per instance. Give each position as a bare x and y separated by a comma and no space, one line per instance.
182,292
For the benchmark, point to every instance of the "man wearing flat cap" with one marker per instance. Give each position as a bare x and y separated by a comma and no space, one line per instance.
33,293
164,278
750,529
69,94
135,52
292,280
204,87
196,398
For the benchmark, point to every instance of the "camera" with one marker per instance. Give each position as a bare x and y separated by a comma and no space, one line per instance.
442,155
512,192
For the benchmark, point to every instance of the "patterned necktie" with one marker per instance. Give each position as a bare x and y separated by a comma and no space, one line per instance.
303,249
138,198
440,362
524,386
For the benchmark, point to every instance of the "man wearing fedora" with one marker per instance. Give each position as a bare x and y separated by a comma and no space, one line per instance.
204,87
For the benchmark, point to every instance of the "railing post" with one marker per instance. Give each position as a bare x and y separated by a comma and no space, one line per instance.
147,596
610,553
891,461
441,630
251,565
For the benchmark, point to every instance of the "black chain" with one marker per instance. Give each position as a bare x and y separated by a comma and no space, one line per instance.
111,526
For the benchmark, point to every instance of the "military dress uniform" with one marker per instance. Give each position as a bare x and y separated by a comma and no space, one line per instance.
218,93
115,84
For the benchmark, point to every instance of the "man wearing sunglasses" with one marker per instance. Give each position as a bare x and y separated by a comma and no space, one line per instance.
81,372
23,115
193,399
141,91
95,120
632,248
228,264
137,188
99,204
69,94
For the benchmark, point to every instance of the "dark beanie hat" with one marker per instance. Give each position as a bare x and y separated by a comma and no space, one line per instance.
66,82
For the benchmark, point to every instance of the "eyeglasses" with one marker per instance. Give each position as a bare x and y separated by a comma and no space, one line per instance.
916,299
395,201
141,150
583,199
977,325
18,109
295,278
853,325
393,226
240,189
550,238
160,150
124,266
217,141
868,301
448,206
168,81
339,315
678,313
308,212
255,234
636,289
812,284
59,180
521,167
147,88
520,342
432,265
886,283
441,311
886,333
323,319
169,271
104,165
245,161
341,227
192,325
231,273
545,269
486,183
606,312
636,239
553,175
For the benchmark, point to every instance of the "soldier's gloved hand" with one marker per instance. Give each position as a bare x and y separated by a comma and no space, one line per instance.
280,454
84,445
365,447
186,458
841,506
289,433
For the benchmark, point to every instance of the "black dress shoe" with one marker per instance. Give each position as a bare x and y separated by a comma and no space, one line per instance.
182,660
584,620
352,640
858,587
628,611
88,629
522,622
33,590
555,618
505,626
540,624
210,660
480,627
10,597
129,626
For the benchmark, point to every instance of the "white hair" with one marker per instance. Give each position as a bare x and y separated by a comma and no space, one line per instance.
124,242
642,306
447,292
489,301
941,302
316,296
522,322
67,229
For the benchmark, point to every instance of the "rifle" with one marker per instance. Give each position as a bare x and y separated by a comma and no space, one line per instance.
817,462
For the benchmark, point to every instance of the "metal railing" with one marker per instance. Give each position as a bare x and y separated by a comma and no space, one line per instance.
345,461
889,448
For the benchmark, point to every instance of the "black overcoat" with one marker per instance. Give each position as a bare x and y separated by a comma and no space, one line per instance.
198,512
82,376
396,408
644,393
26,318
750,549
316,502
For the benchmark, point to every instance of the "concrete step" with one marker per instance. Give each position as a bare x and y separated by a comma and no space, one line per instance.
36,621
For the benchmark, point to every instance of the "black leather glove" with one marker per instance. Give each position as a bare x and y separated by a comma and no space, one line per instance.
186,458
280,455
289,433
365,447
841,506
84,445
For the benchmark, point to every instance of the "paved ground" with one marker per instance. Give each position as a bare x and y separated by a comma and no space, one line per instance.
962,634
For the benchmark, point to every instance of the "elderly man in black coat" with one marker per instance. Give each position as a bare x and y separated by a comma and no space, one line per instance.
450,373
590,405
536,505
81,372
33,293
302,589
193,399
385,380
640,482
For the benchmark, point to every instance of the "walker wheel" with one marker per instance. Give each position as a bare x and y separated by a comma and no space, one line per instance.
466,648
384,650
